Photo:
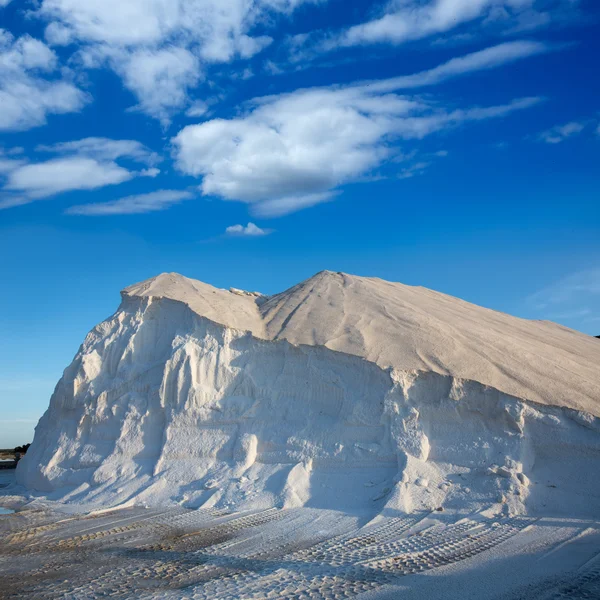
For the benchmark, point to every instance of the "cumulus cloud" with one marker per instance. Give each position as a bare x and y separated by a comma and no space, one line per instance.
160,47
159,78
29,87
251,230
292,151
132,205
86,164
560,133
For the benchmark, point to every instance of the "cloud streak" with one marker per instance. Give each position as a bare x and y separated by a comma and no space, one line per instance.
409,20
133,205
105,149
483,60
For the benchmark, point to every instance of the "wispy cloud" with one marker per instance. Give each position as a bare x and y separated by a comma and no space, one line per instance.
560,133
9,163
568,289
407,20
133,205
574,297
577,313
489,58
104,149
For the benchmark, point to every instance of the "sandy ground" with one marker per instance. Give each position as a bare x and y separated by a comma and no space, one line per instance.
151,553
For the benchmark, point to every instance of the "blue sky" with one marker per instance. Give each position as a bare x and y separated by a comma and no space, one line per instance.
452,144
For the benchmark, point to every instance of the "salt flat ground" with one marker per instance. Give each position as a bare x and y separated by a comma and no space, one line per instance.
146,553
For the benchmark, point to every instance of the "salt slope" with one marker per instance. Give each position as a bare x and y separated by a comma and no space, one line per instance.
164,405
405,327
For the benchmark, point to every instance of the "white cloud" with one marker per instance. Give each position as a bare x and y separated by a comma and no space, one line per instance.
159,78
8,201
52,177
105,149
160,47
561,132
58,35
489,58
86,164
7,161
413,20
251,230
29,92
197,109
220,27
406,20
7,165
292,151
131,205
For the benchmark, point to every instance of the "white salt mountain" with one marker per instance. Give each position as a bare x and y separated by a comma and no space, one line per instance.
343,392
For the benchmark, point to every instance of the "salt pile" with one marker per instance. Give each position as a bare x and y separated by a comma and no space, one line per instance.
343,392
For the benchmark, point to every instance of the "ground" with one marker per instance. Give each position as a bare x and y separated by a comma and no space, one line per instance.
146,553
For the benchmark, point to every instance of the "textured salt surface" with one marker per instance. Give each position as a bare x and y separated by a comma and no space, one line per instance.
293,554
342,393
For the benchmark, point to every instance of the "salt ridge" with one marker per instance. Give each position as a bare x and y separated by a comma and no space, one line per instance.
205,397
405,327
